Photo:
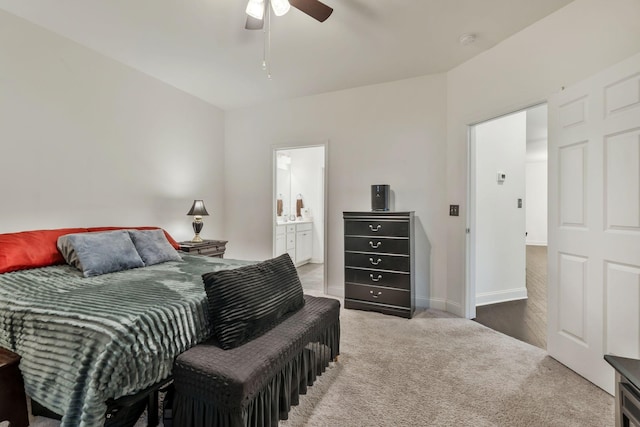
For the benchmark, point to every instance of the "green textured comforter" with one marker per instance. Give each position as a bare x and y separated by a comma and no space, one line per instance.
84,340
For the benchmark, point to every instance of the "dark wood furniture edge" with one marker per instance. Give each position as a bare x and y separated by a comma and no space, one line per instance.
13,400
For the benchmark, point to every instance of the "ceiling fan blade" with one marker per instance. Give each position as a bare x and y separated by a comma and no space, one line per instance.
253,23
313,8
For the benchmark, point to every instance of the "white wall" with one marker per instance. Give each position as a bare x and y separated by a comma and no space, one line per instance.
536,202
499,224
392,133
87,141
565,47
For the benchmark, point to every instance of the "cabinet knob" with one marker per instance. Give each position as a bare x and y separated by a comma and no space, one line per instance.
375,245
375,262
378,227
375,279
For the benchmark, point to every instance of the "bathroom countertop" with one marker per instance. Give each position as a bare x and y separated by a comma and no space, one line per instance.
304,221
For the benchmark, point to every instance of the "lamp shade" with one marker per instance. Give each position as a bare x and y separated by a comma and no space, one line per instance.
198,209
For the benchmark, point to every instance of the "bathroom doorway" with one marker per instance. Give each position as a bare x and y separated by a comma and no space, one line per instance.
299,211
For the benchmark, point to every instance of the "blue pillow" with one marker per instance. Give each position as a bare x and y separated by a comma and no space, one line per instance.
153,246
99,253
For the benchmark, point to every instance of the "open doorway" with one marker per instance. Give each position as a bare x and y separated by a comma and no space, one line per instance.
300,210
508,224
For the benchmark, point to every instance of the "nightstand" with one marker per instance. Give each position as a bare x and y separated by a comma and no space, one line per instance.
13,402
212,248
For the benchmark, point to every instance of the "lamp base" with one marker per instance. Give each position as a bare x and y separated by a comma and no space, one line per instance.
197,227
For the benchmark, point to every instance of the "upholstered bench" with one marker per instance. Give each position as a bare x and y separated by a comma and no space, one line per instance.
255,384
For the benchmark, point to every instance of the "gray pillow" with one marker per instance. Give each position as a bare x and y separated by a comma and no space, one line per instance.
153,246
99,253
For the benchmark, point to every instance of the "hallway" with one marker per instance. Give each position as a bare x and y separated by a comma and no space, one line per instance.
526,319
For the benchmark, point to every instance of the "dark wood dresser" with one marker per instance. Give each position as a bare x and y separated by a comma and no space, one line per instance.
379,273
627,390
13,401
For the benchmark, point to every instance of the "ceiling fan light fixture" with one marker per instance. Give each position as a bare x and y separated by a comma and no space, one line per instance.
255,9
280,7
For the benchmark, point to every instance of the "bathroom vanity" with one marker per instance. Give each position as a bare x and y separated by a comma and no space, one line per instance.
295,238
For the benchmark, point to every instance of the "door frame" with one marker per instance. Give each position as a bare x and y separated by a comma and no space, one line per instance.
470,236
325,194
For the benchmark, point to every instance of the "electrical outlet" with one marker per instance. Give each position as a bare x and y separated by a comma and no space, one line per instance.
454,210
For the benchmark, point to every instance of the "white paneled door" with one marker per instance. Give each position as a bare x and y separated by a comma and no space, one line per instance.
594,222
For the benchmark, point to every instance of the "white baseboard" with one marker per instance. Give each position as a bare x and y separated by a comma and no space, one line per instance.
454,308
487,298
535,243
435,303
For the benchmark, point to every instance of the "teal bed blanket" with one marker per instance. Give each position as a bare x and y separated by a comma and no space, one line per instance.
85,340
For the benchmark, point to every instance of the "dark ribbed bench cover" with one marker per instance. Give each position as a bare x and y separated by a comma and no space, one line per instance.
255,384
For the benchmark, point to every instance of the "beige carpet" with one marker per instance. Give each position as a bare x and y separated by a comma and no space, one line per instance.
437,370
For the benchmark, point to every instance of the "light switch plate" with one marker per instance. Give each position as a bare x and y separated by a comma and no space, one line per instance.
454,210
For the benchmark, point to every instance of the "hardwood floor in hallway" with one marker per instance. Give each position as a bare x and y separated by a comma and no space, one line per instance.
311,276
525,320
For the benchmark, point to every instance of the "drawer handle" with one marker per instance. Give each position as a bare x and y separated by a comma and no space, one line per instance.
375,262
376,246
378,227
375,279
374,294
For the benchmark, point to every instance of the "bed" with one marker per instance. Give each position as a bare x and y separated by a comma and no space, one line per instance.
84,340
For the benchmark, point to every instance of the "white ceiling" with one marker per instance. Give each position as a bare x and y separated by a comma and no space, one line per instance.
201,46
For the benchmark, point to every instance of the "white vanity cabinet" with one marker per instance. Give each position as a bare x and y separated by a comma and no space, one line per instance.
281,240
291,241
295,239
304,243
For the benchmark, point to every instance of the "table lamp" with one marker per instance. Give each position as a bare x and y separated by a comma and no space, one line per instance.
197,211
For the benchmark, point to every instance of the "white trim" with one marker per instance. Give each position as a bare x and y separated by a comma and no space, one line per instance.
534,243
455,308
424,303
435,303
487,298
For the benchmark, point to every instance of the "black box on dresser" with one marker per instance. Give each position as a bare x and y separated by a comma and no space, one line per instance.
379,262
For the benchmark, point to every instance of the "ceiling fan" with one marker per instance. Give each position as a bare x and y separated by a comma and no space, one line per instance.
256,10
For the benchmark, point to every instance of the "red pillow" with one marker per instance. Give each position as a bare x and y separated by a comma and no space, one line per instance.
171,240
32,249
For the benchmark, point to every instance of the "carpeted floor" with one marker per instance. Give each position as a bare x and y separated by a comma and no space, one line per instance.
436,370
439,370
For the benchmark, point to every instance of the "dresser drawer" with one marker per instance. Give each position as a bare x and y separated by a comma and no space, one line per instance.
377,245
377,261
380,308
378,294
376,228
377,278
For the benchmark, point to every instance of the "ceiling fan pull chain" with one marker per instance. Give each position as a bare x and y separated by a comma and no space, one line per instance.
267,54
